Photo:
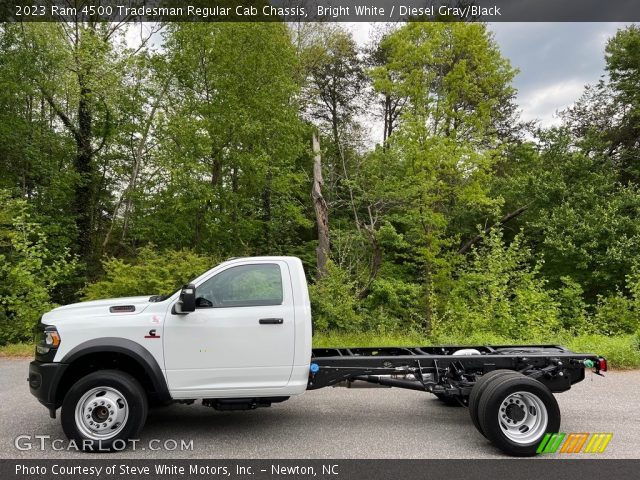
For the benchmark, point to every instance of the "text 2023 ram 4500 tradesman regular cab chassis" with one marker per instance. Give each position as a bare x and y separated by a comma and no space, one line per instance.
239,337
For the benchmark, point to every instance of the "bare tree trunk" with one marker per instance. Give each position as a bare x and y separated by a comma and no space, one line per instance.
376,262
321,209
509,216
336,139
84,195
428,297
386,121
392,108
266,215
126,196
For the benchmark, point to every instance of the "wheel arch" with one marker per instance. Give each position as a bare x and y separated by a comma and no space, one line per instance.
114,353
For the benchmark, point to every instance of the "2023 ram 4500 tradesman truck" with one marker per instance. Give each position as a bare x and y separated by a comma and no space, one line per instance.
239,337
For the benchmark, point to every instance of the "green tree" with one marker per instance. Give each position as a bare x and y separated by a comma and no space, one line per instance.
34,153
606,119
335,80
456,85
77,70
29,272
623,65
579,217
231,143
389,101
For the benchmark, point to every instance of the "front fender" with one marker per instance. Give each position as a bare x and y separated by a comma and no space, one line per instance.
128,348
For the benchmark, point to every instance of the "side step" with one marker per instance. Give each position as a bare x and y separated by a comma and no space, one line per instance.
229,404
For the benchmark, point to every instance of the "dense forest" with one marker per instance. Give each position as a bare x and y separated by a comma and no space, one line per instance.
135,156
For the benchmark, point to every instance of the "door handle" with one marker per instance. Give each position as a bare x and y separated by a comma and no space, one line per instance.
271,321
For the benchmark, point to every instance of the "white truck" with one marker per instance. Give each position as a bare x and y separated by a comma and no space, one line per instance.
239,337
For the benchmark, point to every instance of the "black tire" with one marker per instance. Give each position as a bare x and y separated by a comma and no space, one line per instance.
120,391
450,401
479,388
493,402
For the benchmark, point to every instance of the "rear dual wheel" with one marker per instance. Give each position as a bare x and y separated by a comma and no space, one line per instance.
514,412
479,388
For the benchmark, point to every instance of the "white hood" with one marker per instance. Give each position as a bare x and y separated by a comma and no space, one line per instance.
97,308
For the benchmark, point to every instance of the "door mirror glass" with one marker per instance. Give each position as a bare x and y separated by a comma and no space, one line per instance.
187,299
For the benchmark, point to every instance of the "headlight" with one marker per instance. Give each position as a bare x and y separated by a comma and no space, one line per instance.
47,339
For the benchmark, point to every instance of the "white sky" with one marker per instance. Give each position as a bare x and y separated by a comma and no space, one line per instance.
556,61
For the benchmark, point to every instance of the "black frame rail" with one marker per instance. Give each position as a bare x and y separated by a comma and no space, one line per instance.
447,370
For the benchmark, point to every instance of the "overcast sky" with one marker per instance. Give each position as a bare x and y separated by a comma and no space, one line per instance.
556,61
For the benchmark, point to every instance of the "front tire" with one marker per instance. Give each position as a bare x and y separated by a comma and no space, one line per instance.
103,410
516,412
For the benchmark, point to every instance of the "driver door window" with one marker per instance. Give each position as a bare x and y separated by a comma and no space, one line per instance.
242,286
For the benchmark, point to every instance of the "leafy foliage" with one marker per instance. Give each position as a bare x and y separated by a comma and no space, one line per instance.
334,303
29,271
127,169
499,292
152,273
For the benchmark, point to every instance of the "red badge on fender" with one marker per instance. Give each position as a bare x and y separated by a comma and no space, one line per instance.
152,334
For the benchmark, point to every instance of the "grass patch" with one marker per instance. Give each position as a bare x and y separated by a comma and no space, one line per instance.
621,352
17,350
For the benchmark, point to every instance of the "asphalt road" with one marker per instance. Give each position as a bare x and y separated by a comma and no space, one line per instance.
328,423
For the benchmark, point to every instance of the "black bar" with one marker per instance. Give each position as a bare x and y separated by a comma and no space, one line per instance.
271,321
320,10
522,469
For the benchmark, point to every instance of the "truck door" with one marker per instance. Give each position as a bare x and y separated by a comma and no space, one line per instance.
240,337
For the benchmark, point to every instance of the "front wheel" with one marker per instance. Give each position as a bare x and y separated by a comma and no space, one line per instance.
516,412
103,410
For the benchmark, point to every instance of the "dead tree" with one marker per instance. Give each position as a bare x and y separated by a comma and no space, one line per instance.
321,209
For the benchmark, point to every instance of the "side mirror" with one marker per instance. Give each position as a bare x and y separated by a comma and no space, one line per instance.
187,302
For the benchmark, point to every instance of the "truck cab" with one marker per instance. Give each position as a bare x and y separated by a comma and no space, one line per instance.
238,335
248,335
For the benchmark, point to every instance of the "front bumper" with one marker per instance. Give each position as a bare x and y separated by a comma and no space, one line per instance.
44,378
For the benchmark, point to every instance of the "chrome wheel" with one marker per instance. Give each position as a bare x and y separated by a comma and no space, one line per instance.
523,417
101,413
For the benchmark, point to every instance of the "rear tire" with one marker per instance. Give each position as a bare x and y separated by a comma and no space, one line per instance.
516,412
479,388
103,410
